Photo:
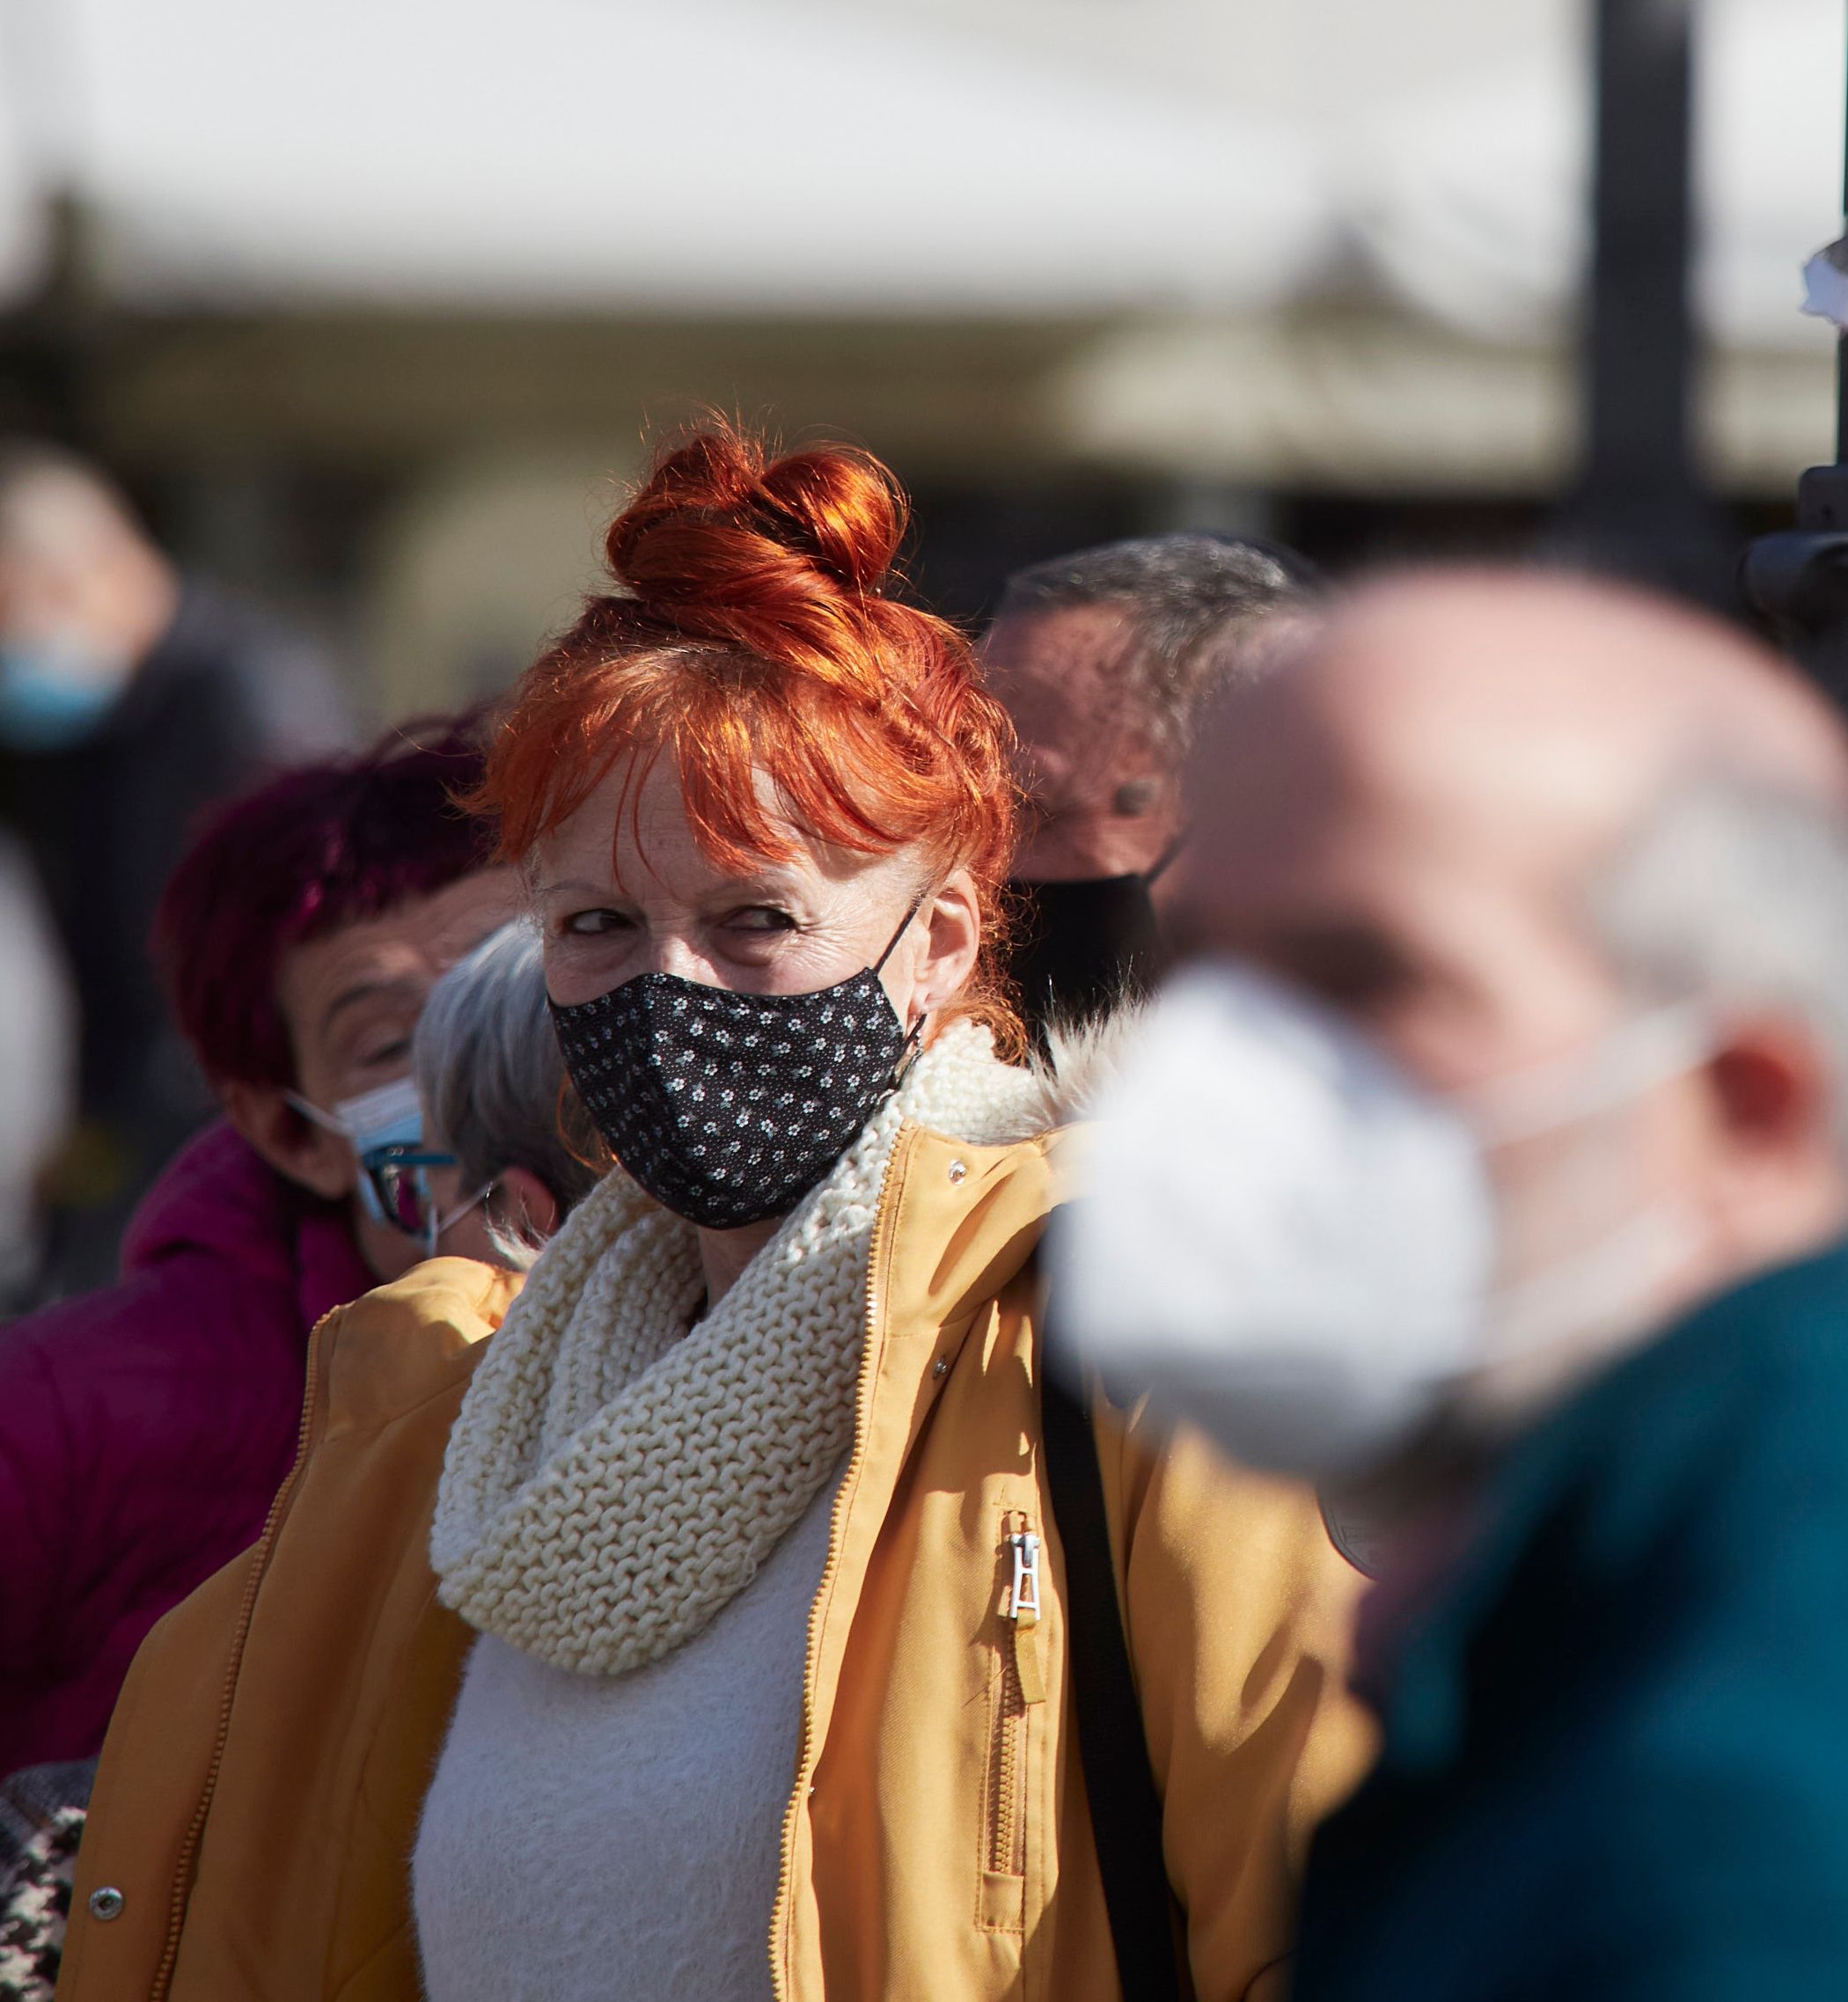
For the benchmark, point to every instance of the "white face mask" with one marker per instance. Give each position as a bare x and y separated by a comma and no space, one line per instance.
1286,1241
1545,1321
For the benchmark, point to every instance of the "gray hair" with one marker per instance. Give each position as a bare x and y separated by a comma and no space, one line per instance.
38,1066
1201,608
490,1076
1732,892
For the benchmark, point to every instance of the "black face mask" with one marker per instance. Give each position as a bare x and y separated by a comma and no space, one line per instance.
729,1108
1081,949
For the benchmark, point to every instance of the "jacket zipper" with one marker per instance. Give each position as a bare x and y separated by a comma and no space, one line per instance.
246,1607
1019,1683
778,1911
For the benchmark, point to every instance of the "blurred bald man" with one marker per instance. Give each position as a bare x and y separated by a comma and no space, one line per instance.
1527,829
131,697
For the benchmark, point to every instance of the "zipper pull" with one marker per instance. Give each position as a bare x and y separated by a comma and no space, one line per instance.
1023,1610
1024,1600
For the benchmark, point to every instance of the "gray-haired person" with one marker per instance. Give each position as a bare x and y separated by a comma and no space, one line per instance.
1106,660
509,1151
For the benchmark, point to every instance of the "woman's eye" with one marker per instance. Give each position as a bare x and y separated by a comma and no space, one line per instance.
397,1051
760,918
591,924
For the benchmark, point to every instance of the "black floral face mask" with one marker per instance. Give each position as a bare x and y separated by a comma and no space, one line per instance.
729,1108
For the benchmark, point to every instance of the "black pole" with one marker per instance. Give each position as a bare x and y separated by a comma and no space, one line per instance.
1640,510
1798,580
1640,343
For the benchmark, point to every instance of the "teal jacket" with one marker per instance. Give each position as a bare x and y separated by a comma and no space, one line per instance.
1616,1753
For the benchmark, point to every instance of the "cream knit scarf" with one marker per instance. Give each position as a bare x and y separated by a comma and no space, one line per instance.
613,1478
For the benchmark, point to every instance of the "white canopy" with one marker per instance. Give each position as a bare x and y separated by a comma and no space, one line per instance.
1327,239
1452,135
1472,202
1015,157
704,155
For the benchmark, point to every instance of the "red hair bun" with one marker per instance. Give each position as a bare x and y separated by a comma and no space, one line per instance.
721,523
752,631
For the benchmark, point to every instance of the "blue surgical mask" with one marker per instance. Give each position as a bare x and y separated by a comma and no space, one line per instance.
54,693
389,1115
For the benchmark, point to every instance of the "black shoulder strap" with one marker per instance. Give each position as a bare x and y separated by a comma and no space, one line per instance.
1112,1748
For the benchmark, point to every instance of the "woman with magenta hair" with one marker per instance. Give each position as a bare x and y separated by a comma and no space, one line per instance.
705,1632
143,1428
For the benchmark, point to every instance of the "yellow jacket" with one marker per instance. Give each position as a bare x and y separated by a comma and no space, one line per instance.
253,1820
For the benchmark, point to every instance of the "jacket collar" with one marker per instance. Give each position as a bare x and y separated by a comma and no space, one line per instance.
959,1223
404,1344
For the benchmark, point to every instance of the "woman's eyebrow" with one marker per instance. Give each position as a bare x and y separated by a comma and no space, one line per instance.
579,886
367,991
755,886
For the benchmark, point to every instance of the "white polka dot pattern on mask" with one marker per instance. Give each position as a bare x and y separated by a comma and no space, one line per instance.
728,1108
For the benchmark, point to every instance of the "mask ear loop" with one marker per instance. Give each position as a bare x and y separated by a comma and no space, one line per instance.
908,1049
1650,1049
1167,856
437,1224
315,1114
891,944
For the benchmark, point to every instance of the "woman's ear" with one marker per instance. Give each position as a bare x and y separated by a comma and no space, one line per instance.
522,1205
952,943
295,1147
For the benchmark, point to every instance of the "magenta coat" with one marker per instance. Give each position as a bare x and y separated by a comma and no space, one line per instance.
145,1429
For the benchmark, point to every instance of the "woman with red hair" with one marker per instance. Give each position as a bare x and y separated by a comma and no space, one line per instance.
719,1598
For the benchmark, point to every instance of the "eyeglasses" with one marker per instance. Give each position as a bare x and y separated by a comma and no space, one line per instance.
400,1177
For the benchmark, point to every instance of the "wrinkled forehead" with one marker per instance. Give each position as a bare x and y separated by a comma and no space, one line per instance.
415,937
637,833
1061,667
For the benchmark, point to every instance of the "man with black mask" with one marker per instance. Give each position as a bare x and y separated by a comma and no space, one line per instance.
1105,659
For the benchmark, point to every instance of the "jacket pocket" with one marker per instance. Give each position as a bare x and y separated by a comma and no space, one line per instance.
1017,1684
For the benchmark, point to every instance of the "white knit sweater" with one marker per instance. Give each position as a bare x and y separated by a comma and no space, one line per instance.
599,1838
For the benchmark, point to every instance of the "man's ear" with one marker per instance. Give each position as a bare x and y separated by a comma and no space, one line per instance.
294,1146
1771,1097
1773,1091
521,1203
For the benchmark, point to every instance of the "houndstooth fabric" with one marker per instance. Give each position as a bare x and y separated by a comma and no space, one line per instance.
613,1478
41,1822
729,1108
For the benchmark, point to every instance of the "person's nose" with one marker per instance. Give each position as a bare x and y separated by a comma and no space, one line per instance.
674,952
